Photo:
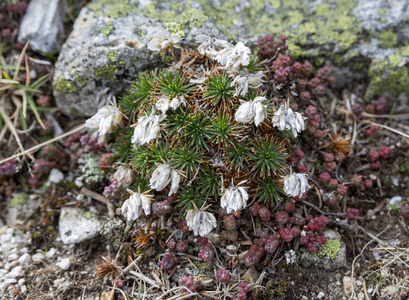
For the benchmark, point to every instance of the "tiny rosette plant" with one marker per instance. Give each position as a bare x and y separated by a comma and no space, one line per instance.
204,132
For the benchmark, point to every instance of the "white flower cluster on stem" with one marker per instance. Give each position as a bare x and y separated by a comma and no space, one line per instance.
286,119
234,199
296,185
162,176
106,120
133,206
201,222
163,104
251,111
146,129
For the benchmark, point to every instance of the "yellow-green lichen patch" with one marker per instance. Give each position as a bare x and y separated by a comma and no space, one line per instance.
387,39
89,215
81,81
108,72
330,249
106,30
18,200
113,56
66,86
387,75
112,8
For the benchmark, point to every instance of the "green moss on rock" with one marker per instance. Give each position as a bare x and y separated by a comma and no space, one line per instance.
66,86
108,72
329,249
387,39
18,200
106,30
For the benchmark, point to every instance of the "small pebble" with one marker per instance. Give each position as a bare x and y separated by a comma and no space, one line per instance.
24,259
320,295
64,264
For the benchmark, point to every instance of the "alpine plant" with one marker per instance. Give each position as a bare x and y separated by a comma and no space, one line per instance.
202,132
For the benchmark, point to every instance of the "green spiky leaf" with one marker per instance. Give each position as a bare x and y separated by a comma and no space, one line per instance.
218,88
267,158
238,154
172,85
197,131
209,182
189,195
269,191
222,128
187,159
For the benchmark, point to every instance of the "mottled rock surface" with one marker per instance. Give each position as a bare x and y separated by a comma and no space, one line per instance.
107,47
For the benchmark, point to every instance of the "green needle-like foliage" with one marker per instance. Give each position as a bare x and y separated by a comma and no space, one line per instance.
267,158
172,85
177,119
187,159
141,159
218,88
210,183
159,153
197,131
238,154
138,96
122,146
222,129
254,64
189,195
269,191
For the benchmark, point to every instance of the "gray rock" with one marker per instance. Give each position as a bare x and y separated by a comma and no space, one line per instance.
251,275
56,176
42,25
107,48
77,225
21,207
332,255
64,264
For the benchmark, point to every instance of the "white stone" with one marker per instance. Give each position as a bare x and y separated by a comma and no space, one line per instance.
24,259
50,253
320,295
13,256
16,272
38,257
64,264
349,284
21,281
76,227
56,176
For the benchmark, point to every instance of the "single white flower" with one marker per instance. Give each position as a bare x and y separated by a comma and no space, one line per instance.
234,199
232,58
252,111
133,206
162,176
177,102
161,40
105,120
286,119
245,80
296,184
201,222
123,174
147,129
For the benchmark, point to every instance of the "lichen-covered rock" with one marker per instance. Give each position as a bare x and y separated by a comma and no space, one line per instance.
21,207
107,47
332,255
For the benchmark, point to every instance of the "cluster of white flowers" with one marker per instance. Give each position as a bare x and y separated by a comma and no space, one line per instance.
201,222
161,40
286,119
123,174
232,58
234,199
105,120
132,207
244,80
162,176
163,104
251,111
147,129
295,185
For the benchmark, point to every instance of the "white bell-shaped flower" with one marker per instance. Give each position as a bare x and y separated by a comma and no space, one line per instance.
201,222
163,104
162,176
252,111
234,199
133,206
105,120
245,80
147,129
210,47
296,184
286,119
123,174
161,40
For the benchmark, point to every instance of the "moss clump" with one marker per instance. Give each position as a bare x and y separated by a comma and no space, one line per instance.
387,39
